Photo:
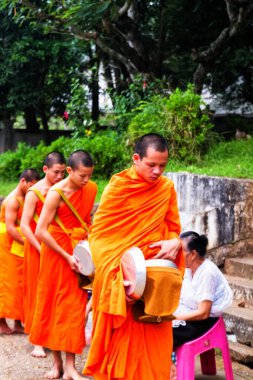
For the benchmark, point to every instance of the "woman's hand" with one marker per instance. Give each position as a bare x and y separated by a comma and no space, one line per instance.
169,249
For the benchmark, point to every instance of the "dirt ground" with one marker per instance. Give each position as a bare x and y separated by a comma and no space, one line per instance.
16,363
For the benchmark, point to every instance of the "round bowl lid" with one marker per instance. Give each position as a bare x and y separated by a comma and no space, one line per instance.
83,254
134,272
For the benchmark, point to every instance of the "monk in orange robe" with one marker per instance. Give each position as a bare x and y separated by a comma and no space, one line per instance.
138,208
11,254
59,318
54,169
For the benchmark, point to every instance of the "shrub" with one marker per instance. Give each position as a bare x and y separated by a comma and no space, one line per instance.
179,119
108,149
10,163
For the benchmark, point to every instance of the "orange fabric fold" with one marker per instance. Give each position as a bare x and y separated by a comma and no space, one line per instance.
11,274
30,275
59,317
131,213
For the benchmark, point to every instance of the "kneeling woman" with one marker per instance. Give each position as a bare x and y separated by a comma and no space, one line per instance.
205,291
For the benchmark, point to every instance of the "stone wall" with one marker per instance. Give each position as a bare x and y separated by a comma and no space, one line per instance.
221,208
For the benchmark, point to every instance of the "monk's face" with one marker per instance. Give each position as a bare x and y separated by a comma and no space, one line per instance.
25,186
55,173
81,175
152,166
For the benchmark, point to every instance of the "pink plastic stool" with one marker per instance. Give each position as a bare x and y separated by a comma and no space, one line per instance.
204,346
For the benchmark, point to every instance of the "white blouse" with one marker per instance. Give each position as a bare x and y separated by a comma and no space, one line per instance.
207,284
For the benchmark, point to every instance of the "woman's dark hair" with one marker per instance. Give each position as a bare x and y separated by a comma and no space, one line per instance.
195,242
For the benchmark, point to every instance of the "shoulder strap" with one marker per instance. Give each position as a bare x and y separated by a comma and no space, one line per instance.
20,201
41,198
72,208
39,195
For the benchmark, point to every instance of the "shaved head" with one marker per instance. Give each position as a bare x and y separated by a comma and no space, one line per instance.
150,140
30,175
54,158
80,157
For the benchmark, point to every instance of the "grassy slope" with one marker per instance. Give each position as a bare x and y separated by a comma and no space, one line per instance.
227,159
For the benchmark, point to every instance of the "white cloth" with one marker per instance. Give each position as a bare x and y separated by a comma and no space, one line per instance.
207,284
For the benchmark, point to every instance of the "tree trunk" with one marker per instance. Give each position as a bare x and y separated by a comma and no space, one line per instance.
95,90
31,120
8,140
45,124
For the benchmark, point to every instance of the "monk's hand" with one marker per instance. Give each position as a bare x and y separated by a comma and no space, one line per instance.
169,249
74,263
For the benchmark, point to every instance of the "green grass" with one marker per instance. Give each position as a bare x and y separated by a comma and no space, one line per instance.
101,185
227,159
6,187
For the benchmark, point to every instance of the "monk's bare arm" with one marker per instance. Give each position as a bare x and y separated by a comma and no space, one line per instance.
11,214
47,215
27,216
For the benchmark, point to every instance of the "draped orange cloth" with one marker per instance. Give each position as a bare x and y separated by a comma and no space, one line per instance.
11,273
131,213
30,275
59,317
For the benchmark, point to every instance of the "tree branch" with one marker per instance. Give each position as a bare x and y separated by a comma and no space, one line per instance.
125,8
206,59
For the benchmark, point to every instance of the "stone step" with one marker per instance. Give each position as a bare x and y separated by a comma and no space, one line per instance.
240,267
241,353
242,288
239,321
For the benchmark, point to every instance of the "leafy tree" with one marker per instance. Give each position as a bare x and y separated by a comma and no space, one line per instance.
176,40
34,72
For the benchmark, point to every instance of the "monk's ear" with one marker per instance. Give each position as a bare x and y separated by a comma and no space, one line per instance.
136,158
68,169
44,169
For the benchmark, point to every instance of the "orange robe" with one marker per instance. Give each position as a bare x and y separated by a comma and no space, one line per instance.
11,273
30,275
131,213
59,318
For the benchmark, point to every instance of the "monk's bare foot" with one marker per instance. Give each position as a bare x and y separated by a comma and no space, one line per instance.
4,328
38,352
18,328
55,373
72,374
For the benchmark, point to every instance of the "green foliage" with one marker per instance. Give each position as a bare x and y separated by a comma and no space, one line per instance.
178,118
109,151
125,103
79,113
11,163
6,187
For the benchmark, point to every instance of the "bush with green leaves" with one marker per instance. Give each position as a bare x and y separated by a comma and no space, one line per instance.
178,118
11,163
109,150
